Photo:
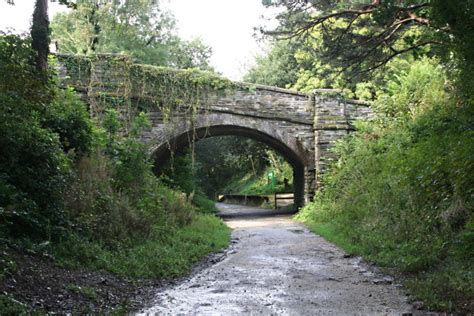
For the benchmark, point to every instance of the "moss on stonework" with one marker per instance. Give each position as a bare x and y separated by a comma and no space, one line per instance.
170,89
331,117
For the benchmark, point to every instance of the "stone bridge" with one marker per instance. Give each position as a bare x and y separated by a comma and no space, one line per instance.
301,127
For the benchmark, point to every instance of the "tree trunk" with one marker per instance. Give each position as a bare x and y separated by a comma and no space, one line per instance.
40,35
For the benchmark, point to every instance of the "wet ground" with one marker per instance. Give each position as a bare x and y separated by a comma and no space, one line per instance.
276,266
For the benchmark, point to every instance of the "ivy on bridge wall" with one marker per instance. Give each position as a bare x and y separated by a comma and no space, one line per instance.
113,81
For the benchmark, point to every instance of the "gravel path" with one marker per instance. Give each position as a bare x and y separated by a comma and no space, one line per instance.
276,266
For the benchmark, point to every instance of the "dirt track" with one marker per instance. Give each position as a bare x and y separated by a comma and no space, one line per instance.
276,266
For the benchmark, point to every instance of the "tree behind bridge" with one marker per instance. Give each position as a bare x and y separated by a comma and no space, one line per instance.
361,36
141,29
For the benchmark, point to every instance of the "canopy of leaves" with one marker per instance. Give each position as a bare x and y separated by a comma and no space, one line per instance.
278,68
360,36
140,28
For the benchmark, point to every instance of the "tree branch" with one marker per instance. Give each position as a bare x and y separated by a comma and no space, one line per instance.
396,53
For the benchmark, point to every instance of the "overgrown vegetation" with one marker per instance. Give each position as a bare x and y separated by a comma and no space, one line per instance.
166,252
406,176
82,190
401,191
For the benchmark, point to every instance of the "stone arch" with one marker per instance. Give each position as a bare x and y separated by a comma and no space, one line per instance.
178,134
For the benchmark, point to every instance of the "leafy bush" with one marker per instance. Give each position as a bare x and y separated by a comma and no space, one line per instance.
39,124
115,197
402,191
68,117
34,173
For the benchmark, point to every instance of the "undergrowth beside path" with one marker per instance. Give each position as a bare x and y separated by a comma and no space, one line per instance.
82,276
402,192
79,191
159,256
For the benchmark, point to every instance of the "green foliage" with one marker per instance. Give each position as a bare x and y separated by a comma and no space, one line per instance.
298,65
167,252
115,197
458,19
406,176
417,88
35,127
277,68
140,29
10,306
180,173
357,37
260,183
69,118
178,87
190,54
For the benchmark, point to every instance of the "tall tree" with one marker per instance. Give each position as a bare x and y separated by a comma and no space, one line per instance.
278,68
360,35
40,35
140,28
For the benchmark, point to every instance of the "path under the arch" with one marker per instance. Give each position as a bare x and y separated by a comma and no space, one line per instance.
277,266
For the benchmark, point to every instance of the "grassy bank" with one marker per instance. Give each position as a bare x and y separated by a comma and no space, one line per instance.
164,254
402,192
446,286
82,276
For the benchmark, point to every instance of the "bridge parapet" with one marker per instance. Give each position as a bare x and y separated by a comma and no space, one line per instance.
186,105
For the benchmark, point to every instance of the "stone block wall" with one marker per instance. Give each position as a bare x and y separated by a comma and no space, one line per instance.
303,127
333,119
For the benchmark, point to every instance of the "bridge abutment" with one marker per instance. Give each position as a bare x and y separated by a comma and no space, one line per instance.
334,119
302,127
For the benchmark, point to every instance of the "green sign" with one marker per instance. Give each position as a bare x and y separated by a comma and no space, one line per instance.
272,179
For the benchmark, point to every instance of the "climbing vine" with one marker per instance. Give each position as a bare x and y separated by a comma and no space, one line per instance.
113,81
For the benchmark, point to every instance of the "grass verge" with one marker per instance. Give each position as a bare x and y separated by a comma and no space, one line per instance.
445,287
164,254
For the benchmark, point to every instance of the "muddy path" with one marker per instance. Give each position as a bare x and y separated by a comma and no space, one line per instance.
276,266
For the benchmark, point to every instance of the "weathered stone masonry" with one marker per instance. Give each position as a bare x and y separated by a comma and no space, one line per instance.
301,127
